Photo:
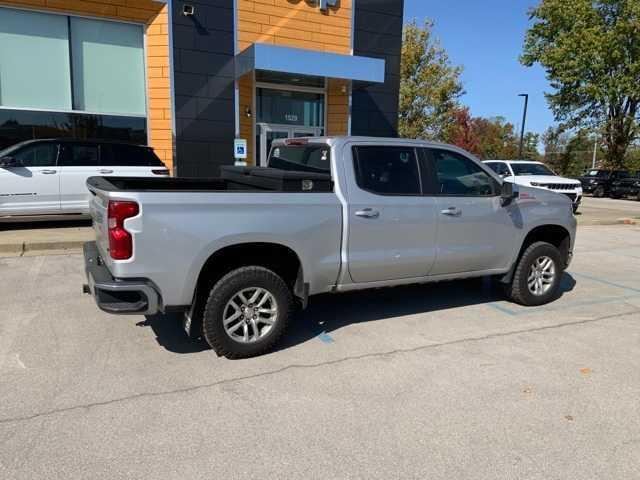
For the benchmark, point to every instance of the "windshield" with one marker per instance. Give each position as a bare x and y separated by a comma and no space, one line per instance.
301,158
521,169
596,173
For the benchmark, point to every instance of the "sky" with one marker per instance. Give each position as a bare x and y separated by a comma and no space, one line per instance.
486,38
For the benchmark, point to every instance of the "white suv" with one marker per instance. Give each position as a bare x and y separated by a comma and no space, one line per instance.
39,178
536,174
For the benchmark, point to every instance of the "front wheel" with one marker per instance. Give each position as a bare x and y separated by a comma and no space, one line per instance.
247,312
599,192
536,280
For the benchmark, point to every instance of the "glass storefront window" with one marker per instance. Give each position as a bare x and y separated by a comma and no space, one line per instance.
284,107
108,67
19,125
105,74
34,60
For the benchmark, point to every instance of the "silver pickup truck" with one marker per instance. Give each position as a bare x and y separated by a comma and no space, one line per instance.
237,257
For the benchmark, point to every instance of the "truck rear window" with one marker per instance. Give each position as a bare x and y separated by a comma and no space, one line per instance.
301,158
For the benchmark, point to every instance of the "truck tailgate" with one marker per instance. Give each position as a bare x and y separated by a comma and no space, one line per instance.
98,209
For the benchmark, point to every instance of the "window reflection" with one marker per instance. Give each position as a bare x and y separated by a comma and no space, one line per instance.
19,125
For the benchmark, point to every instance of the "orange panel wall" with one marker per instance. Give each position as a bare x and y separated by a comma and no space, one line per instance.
155,16
295,23
300,24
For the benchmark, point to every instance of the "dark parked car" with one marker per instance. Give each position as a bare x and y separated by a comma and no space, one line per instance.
599,182
627,187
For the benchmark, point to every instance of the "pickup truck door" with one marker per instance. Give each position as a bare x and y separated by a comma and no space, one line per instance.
33,186
392,226
475,232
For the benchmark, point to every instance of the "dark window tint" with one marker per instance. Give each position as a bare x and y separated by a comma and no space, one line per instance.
114,155
309,158
20,125
39,155
458,175
500,168
81,155
387,170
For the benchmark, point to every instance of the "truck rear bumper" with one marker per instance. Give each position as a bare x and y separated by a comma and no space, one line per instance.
115,295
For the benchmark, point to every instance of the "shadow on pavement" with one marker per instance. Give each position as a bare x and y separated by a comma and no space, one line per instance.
170,334
31,225
328,313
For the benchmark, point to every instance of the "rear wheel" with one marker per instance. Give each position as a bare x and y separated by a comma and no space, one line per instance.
536,280
247,312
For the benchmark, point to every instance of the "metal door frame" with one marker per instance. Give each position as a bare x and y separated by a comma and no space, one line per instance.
290,130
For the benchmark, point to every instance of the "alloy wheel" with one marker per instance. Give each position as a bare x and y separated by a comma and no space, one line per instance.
542,275
250,315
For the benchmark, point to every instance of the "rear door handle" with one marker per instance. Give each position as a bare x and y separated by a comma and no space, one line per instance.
105,171
451,212
49,172
368,213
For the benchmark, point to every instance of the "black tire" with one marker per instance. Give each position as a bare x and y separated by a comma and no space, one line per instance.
224,290
599,192
575,209
519,291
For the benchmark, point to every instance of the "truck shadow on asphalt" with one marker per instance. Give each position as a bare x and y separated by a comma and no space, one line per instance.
329,313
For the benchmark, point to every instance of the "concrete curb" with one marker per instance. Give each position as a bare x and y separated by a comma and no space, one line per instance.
20,249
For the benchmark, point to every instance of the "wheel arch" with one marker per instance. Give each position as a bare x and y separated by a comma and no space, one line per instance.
556,235
276,257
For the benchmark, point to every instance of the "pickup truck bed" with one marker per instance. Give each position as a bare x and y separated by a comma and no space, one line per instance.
233,179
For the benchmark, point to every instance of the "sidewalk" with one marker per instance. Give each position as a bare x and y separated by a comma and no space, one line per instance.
45,238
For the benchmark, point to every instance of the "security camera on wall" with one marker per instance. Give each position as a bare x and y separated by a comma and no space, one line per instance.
188,10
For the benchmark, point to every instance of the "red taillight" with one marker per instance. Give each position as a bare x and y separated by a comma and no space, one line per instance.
120,241
161,171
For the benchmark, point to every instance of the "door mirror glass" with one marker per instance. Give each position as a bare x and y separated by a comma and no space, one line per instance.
509,192
6,162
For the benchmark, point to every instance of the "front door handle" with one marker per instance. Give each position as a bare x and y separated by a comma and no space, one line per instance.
452,212
49,172
105,171
368,213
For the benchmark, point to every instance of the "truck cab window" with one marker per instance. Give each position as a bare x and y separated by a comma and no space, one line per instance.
387,170
460,176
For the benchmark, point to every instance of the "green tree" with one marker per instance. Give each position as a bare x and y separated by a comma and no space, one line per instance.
497,137
590,50
430,85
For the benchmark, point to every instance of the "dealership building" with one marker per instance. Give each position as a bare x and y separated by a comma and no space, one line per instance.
190,77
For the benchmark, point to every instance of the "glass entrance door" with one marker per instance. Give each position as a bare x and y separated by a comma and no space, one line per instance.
267,133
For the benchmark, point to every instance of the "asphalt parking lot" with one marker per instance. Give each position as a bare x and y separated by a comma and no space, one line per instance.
442,381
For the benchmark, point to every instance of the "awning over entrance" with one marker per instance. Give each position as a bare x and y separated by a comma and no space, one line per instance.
276,58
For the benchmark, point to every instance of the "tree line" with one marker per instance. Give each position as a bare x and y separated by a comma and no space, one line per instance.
590,51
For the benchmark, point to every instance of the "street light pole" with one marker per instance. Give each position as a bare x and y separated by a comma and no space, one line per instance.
524,121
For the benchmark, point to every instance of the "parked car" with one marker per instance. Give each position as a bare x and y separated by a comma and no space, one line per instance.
41,178
598,182
537,174
237,258
626,187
